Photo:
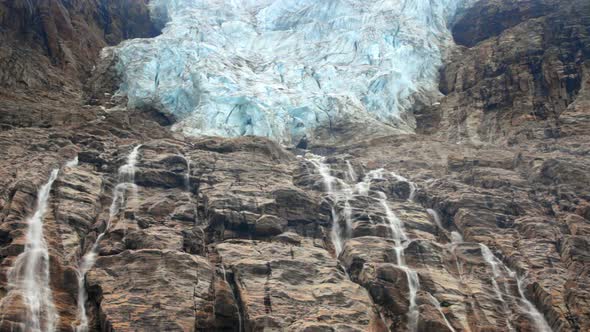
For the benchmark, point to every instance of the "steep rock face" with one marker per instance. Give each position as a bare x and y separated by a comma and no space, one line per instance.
238,234
525,85
521,202
169,258
485,19
515,85
51,44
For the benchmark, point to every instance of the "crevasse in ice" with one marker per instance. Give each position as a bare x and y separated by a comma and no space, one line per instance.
280,68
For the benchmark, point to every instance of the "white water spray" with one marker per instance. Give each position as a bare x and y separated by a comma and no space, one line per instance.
187,175
30,275
351,173
412,185
456,238
495,264
436,304
72,163
399,237
436,217
539,320
499,269
126,179
401,240
344,193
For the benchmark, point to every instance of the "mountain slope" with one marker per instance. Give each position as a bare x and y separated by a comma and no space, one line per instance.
478,221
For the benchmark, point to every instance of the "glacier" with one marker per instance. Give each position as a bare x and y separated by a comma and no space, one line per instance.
283,68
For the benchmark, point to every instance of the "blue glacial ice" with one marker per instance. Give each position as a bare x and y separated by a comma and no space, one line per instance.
282,68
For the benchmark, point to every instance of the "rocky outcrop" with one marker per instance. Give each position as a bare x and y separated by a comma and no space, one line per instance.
518,83
49,45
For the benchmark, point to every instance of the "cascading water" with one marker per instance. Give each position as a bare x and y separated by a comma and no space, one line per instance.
351,173
410,183
500,270
341,192
436,304
539,320
436,217
345,193
72,163
401,240
126,179
187,175
224,273
494,263
456,239
30,275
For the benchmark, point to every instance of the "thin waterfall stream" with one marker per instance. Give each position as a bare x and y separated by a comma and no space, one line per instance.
30,273
31,269
338,235
126,182
500,270
401,241
340,191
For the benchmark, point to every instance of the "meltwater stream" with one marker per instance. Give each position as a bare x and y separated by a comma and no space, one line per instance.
500,270
400,239
341,192
30,275
337,191
126,182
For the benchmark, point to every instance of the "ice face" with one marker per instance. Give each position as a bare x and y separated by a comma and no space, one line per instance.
280,68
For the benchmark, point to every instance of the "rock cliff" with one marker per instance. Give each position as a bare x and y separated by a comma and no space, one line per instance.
479,221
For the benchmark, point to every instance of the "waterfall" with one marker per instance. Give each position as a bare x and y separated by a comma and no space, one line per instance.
240,319
410,183
338,235
457,239
400,239
497,267
493,262
351,173
436,217
187,175
72,163
126,179
436,304
345,193
538,318
30,273
341,192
